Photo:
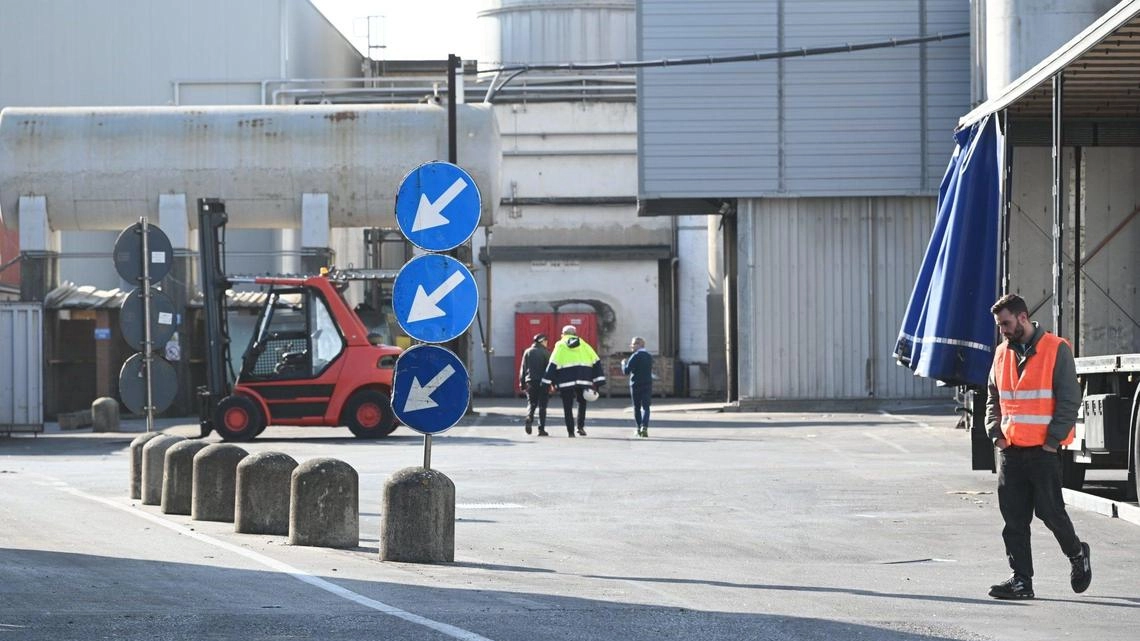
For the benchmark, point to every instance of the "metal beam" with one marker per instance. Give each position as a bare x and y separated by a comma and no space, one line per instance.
1058,203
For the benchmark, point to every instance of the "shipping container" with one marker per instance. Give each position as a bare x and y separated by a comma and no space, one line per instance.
21,368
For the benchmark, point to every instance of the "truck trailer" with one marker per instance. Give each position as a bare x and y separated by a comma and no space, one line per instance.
1041,199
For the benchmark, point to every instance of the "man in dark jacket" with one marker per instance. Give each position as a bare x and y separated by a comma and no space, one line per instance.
639,368
531,370
1030,413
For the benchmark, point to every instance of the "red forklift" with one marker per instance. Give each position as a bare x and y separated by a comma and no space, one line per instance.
310,360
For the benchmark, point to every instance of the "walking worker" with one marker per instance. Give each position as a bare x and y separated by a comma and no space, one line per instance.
574,368
1031,411
639,368
531,370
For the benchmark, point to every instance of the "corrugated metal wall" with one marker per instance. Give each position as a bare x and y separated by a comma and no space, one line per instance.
865,123
21,367
823,285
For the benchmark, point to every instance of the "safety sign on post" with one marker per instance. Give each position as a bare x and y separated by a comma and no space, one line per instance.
435,297
432,386
147,383
438,206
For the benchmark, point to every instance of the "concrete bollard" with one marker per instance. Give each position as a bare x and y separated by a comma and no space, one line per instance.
263,488
105,415
136,462
419,517
178,476
324,504
215,480
153,464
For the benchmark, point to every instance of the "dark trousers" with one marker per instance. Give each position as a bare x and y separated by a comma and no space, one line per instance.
537,397
1030,481
641,399
569,395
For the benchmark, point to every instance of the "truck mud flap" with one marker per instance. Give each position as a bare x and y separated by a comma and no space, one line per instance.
982,455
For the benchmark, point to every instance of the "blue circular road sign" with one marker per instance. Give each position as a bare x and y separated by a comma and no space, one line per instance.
435,298
430,389
437,206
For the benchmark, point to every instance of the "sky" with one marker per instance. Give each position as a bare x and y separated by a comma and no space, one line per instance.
409,29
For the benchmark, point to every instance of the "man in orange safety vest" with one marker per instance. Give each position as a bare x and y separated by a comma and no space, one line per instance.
1030,413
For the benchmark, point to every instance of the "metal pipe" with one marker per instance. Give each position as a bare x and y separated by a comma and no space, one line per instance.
453,61
803,52
1076,251
569,200
1058,205
1006,205
560,153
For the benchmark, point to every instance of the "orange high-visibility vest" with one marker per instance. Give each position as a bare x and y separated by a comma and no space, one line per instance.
1026,401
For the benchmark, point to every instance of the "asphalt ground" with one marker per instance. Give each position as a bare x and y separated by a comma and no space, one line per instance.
719,526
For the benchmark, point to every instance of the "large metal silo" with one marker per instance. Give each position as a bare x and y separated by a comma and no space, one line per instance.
555,31
1014,35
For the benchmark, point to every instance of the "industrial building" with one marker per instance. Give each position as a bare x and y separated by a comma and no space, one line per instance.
144,134
759,222
823,170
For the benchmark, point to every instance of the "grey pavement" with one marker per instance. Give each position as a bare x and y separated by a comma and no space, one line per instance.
721,525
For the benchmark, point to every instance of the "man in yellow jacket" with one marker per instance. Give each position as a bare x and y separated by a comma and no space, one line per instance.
1030,413
574,368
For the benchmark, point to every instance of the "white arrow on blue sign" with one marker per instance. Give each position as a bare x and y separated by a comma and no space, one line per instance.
430,389
438,206
435,298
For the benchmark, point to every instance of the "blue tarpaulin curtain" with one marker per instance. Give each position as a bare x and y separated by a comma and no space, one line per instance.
948,332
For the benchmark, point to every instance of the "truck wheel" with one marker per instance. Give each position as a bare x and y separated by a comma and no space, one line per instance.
368,414
1072,473
237,418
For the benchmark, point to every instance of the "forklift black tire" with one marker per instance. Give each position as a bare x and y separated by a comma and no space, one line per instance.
368,414
237,418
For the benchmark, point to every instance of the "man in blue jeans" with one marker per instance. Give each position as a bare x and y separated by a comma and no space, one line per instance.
639,368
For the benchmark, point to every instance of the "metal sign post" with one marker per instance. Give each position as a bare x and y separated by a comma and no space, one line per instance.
147,383
435,297
147,346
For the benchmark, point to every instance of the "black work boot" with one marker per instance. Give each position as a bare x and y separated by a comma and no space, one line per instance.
542,431
526,426
581,432
1081,576
1015,587
570,432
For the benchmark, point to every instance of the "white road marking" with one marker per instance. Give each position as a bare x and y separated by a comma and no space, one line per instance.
488,506
344,593
922,424
886,441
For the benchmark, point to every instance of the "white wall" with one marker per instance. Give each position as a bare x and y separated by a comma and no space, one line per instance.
695,282
569,150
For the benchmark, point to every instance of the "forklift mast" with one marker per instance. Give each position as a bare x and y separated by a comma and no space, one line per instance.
212,220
